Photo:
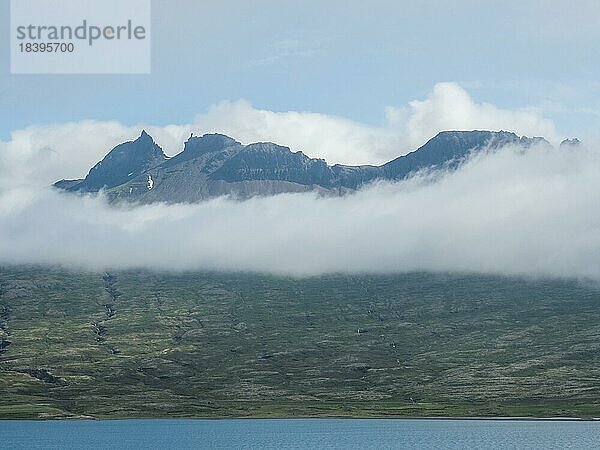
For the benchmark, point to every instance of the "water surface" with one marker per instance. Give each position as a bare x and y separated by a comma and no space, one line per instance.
299,433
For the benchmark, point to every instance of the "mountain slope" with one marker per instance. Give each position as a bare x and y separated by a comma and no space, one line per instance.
449,148
150,344
214,164
121,164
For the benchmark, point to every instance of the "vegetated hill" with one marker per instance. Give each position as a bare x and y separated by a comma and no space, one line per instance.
213,165
139,344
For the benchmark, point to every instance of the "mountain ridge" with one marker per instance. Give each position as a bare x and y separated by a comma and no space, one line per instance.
214,164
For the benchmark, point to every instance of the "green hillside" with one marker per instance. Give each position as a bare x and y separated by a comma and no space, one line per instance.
147,344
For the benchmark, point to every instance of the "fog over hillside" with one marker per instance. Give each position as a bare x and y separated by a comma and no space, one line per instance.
512,211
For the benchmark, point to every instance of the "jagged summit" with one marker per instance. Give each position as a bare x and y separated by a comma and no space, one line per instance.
215,164
144,135
122,163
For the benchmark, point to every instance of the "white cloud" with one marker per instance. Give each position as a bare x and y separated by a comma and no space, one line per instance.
339,140
287,49
69,150
510,212
39,155
336,139
450,107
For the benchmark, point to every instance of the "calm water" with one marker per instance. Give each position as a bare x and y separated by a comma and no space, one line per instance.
309,433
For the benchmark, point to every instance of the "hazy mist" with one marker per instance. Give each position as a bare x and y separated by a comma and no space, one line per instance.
512,211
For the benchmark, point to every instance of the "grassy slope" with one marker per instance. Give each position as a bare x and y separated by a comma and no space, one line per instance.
218,345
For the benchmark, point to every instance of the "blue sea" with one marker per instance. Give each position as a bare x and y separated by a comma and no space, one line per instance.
299,433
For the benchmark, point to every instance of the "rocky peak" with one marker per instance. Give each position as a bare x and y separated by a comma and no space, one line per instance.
209,143
144,137
122,163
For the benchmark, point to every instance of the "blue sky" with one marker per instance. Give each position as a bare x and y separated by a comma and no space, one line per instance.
350,59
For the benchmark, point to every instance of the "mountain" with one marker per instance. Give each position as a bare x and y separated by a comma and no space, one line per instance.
123,163
214,164
449,148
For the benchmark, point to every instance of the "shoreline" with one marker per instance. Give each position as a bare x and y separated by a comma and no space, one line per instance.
445,418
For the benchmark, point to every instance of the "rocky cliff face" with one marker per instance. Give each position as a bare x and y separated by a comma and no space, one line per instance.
123,163
214,165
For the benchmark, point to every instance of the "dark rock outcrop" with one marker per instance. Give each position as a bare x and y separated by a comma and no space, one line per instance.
123,163
43,375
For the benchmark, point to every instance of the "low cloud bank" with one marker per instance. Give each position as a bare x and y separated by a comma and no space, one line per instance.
513,211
